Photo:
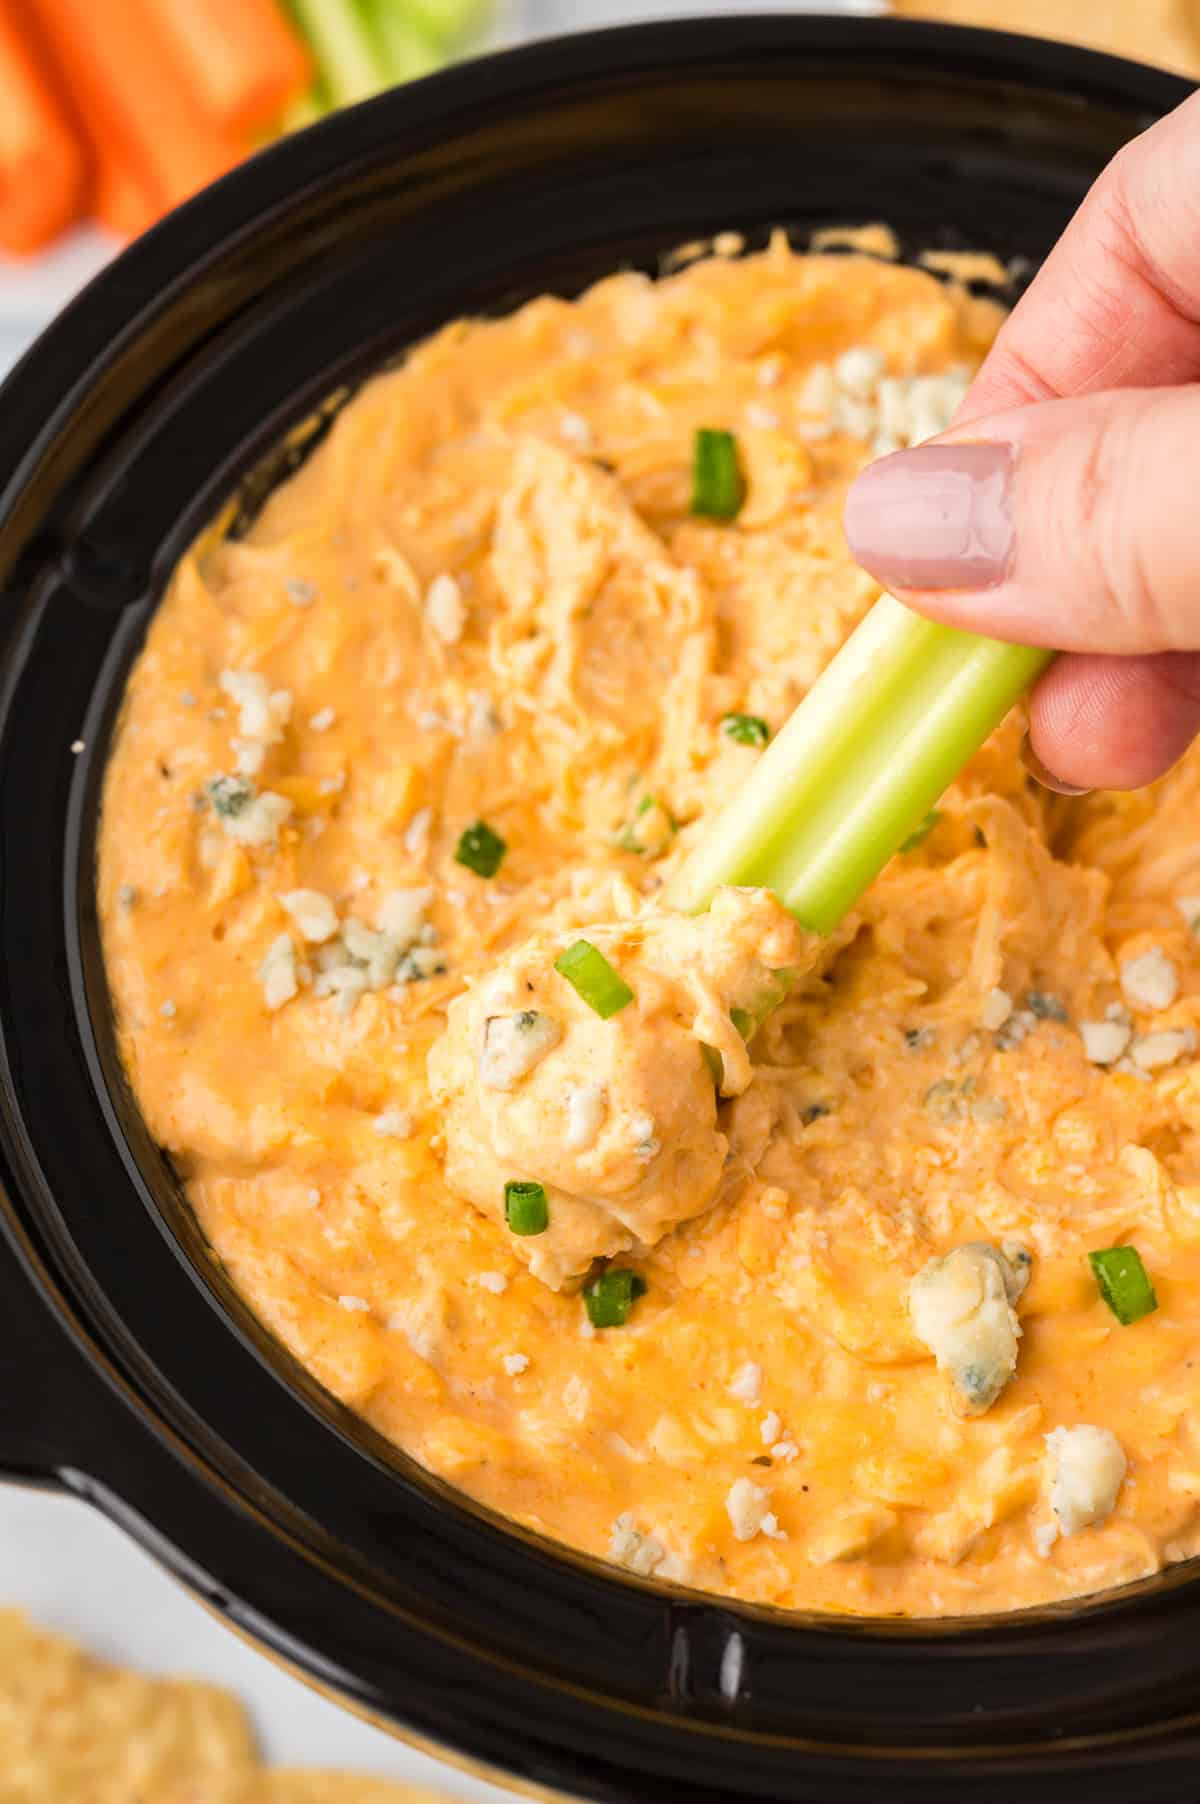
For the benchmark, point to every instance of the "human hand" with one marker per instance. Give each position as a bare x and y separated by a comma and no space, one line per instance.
1062,508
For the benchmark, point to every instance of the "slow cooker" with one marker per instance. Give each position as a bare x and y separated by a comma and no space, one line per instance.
134,1374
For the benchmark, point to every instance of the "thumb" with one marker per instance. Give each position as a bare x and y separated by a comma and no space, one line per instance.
1073,524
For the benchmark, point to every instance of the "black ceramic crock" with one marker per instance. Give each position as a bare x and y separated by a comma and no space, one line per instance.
132,1374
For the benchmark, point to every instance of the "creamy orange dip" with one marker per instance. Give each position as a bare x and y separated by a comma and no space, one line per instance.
484,599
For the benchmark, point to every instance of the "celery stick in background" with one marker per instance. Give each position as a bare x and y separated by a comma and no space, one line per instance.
882,732
347,55
408,50
363,46
448,22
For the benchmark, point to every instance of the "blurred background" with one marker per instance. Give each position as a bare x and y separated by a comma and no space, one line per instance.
111,112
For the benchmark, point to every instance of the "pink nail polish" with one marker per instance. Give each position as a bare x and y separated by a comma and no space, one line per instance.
937,517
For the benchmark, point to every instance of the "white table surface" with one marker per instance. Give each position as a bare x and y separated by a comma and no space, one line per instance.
77,1574
60,1559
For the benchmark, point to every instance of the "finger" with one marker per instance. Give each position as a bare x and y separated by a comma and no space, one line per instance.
1115,723
1072,524
1117,302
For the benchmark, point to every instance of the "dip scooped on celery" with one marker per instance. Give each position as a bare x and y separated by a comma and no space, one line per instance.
587,1066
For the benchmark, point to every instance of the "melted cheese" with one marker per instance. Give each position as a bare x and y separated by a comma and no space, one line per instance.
484,598
522,1046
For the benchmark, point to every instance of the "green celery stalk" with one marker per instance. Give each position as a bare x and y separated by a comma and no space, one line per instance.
409,50
449,21
347,57
881,734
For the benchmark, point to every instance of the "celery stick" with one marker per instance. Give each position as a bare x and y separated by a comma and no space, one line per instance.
408,50
449,21
346,54
856,770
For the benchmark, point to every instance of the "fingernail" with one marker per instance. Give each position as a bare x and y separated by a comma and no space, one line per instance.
937,517
1045,777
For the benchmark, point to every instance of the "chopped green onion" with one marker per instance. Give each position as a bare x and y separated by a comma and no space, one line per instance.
630,839
878,738
747,729
717,486
923,831
1124,1283
609,1297
481,850
591,976
649,802
714,1061
525,1208
744,1021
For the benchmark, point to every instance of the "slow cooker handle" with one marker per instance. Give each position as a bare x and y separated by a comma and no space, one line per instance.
54,1406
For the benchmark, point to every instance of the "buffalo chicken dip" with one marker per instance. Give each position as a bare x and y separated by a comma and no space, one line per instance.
857,1274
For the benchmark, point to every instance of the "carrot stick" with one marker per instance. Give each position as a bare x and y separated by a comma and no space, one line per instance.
242,60
43,164
131,96
124,202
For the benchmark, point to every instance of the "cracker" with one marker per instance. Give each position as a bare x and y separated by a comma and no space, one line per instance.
74,1730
